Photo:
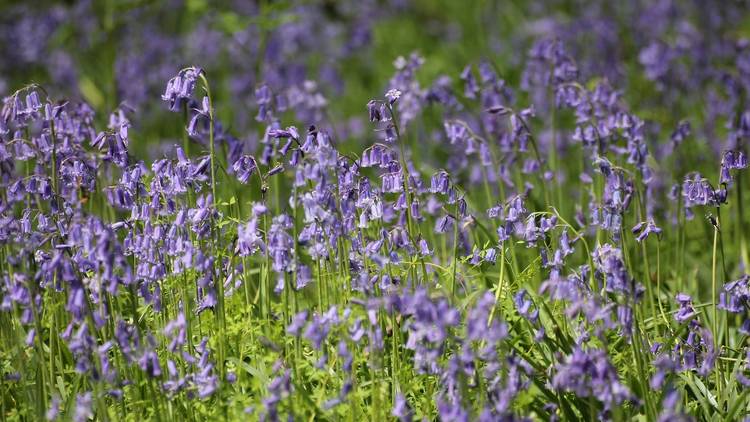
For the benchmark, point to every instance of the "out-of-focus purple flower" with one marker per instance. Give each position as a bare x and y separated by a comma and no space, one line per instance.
731,160
205,380
686,311
698,191
54,408
471,88
249,240
83,409
244,168
304,276
298,322
377,155
393,95
588,373
681,132
611,267
643,229
735,295
449,411
741,377
392,182
377,111
317,330
440,183
401,409
525,306
428,330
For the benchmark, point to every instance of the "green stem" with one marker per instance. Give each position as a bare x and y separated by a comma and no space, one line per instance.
407,192
185,137
210,134
715,321
455,249
741,223
658,281
500,284
218,282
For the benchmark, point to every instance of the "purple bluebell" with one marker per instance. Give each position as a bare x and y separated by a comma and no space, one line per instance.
244,167
83,409
401,409
298,322
440,183
249,240
180,88
525,306
589,373
686,311
644,229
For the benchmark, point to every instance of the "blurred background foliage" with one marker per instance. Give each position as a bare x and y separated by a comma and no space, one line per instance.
332,56
114,51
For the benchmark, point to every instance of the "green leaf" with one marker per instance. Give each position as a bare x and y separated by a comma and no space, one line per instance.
704,397
737,404
90,92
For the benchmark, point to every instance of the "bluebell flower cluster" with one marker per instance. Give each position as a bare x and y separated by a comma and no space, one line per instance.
512,240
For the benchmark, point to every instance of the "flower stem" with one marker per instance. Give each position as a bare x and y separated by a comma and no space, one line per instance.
717,343
500,285
210,135
218,282
407,192
455,250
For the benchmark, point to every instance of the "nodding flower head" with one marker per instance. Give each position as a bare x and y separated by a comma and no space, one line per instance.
698,191
180,88
440,183
686,311
393,95
645,228
377,111
525,306
244,168
732,160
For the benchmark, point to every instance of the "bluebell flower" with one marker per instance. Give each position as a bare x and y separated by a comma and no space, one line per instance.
525,306
686,311
401,409
244,167
84,407
645,228
180,88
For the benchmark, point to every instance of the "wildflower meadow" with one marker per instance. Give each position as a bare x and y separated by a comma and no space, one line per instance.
375,210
